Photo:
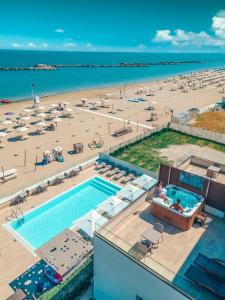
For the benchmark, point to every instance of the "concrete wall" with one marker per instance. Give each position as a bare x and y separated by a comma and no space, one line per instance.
116,277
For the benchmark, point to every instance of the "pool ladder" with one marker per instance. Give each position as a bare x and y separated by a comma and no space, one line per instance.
16,214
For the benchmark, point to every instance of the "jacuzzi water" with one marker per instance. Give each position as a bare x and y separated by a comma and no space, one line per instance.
188,199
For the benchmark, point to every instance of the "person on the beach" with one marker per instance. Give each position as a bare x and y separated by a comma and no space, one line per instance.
177,206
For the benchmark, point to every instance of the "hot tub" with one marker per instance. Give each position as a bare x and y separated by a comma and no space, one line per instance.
191,202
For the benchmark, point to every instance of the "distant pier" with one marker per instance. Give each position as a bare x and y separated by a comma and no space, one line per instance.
45,67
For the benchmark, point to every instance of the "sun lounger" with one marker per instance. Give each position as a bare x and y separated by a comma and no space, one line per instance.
210,265
130,192
7,175
72,173
119,175
19,198
202,279
105,169
130,177
112,172
100,165
56,181
39,189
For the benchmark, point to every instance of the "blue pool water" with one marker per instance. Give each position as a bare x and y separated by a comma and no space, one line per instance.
43,223
187,198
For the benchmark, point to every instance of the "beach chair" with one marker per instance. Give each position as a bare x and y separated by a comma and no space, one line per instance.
211,266
202,279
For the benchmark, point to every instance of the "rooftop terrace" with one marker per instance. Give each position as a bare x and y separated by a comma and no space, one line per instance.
178,249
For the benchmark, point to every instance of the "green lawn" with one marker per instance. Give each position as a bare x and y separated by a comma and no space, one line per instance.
146,153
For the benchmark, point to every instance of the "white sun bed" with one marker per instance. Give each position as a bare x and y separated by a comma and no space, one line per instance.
146,182
113,205
90,222
130,192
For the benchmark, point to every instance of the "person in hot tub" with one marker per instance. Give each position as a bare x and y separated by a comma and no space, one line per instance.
161,192
177,206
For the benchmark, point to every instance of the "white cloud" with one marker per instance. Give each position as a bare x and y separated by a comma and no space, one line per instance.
70,45
163,36
45,45
59,30
218,24
142,46
16,45
31,45
182,38
88,45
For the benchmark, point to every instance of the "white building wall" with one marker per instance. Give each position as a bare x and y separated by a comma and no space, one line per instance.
116,277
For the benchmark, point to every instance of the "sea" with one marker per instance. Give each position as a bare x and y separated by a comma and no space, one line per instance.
16,85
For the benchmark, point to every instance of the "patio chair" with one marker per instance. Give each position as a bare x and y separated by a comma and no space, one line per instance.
144,247
211,266
160,228
202,279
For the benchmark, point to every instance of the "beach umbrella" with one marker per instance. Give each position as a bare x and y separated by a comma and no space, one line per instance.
153,102
55,112
41,115
9,113
22,129
26,110
68,109
57,120
54,105
83,99
2,134
25,118
66,103
41,107
6,122
40,124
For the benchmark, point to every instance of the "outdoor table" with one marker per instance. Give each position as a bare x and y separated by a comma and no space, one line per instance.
151,235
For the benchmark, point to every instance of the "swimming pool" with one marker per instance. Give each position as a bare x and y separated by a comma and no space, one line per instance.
46,221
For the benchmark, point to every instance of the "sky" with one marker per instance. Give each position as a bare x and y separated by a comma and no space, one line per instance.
113,25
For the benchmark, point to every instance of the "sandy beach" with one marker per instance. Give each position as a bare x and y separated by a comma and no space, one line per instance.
178,94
